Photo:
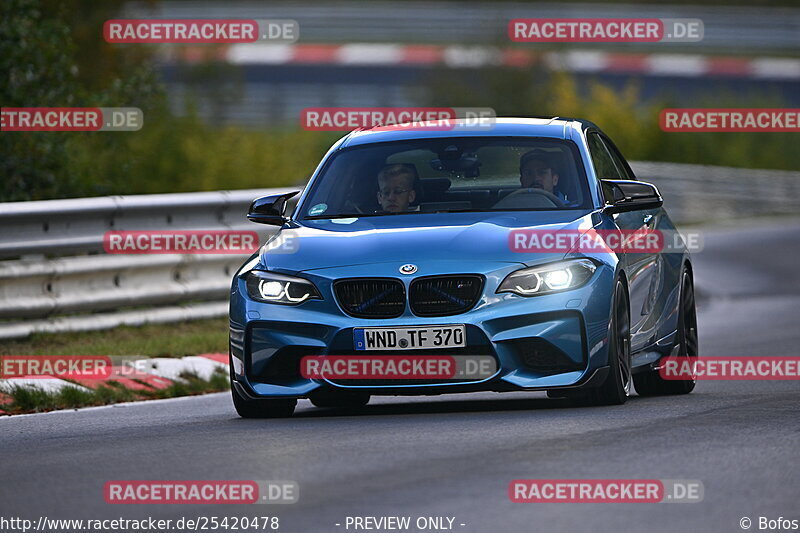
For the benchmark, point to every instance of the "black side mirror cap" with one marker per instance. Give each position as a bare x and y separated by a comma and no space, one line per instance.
270,209
631,195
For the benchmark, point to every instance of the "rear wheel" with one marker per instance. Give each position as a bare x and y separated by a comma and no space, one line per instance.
327,397
266,408
651,383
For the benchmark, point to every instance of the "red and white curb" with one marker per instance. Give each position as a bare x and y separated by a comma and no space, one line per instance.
581,61
152,373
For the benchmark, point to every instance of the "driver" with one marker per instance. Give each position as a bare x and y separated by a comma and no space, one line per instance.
396,187
538,170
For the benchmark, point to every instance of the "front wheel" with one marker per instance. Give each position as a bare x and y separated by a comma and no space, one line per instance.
651,383
617,386
267,408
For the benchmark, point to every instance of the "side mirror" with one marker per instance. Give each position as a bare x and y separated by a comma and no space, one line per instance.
631,196
270,209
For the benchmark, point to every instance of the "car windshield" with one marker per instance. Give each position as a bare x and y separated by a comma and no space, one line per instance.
458,174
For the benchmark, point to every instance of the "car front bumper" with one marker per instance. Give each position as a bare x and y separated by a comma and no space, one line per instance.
547,342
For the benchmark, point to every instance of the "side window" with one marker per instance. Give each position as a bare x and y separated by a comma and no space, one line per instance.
603,164
618,160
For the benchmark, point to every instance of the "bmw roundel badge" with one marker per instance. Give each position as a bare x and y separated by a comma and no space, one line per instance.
408,269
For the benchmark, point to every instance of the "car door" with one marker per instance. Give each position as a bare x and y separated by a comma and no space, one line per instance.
640,267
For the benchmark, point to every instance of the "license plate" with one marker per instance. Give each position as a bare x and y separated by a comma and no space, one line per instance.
411,338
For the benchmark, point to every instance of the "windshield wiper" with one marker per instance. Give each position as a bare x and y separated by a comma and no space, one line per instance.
433,212
350,215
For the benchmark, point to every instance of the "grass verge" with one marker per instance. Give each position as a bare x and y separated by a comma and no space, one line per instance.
25,399
151,340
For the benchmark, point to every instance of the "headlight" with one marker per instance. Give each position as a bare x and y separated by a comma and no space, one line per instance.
545,279
279,289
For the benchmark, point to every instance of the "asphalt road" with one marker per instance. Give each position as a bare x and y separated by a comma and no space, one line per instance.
455,455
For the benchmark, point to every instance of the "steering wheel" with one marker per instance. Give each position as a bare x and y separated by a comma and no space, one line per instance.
555,200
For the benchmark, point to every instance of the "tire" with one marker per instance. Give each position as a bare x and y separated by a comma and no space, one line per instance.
247,408
651,383
618,384
328,397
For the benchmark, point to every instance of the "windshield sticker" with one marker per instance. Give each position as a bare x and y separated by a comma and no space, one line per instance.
318,209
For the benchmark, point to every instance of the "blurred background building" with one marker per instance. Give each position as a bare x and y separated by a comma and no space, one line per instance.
357,53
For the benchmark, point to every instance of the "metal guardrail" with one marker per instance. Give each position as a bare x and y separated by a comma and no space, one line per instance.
53,262
55,276
701,193
62,227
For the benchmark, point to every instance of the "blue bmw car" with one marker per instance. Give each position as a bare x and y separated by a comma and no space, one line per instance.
403,247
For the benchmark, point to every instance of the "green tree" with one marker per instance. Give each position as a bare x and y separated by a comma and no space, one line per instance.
53,55
35,57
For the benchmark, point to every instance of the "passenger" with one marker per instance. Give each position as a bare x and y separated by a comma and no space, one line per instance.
396,187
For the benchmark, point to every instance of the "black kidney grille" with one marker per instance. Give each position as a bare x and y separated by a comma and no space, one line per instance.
371,298
444,295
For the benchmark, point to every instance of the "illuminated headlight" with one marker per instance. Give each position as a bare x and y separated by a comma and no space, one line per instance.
550,278
279,289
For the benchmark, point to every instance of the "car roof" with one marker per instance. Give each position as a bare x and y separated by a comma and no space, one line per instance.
555,127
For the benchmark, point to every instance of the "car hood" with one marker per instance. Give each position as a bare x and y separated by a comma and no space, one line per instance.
466,237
